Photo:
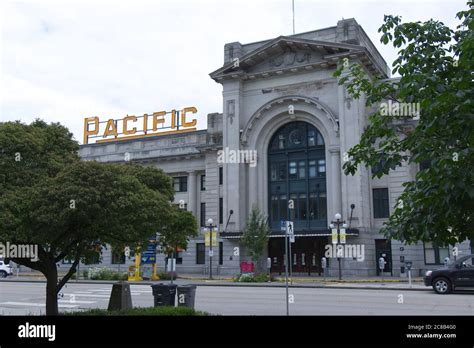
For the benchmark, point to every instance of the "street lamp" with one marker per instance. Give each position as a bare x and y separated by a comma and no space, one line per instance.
338,224
210,224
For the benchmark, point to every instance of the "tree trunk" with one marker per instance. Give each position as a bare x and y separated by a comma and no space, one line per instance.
51,291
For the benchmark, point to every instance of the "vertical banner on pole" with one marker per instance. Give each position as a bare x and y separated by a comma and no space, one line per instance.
334,235
342,236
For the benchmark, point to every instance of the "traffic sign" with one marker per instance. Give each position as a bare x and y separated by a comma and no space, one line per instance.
292,238
289,227
148,259
283,225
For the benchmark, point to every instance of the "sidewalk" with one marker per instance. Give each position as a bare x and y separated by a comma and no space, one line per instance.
370,283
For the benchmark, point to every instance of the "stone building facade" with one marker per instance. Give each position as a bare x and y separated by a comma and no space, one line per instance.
282,104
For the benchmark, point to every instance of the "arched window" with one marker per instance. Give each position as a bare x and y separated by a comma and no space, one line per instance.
297,171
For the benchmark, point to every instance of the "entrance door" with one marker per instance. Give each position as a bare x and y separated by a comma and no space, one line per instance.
383,248
306,255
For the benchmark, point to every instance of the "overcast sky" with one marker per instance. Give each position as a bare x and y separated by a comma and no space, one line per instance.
63,61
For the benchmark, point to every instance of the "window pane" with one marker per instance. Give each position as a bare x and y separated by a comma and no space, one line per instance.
273,171
282,171
322,206
274,209
294,212
313,206
312,168
443,253
302,207
311,138
302,169
281,142
430,255
292,170
322,167
320,140
283,207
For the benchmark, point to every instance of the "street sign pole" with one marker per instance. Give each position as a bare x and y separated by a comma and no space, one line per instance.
286,272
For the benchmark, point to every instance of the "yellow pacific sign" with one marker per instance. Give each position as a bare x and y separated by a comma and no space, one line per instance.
131,127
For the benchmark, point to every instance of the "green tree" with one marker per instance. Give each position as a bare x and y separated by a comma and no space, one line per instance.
255,234
435,65
177,231
71,208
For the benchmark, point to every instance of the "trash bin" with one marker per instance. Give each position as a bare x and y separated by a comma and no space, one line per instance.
186,295
164,294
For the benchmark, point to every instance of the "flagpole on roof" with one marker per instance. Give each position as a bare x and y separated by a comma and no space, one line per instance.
293,7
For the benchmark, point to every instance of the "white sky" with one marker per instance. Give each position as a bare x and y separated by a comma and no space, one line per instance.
66,60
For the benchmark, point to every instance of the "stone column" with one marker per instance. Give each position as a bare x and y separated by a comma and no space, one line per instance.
192,192
335,162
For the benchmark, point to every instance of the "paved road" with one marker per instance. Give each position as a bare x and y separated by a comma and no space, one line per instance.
28,299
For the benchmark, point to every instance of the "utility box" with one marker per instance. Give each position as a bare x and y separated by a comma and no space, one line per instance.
121,297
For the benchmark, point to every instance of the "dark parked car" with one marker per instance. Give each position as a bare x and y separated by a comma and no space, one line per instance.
456,274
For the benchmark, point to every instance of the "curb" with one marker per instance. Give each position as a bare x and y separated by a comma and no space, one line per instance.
250,285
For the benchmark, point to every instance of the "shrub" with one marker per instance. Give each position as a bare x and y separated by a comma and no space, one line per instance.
164,276
251,278
138,311
97,273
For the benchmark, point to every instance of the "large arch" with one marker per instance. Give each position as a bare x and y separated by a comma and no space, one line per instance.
267,120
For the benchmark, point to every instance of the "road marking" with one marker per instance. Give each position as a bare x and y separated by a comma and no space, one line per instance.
76,301
88,295
34,304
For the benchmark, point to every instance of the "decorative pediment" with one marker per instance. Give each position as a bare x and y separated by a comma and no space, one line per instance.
289,55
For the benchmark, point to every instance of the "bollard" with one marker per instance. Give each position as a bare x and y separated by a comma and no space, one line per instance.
120,298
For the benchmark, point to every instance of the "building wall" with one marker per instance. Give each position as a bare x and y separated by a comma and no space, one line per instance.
256,102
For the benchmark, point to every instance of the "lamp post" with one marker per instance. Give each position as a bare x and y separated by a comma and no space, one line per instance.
210,224
337,223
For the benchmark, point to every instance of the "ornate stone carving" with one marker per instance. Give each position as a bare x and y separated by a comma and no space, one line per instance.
289,58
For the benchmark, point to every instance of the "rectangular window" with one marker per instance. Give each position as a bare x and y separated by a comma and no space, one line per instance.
200,253
118,257
221,175
203,214
221,210
435,255
203,182
221,253
67,261
180,184
178,255
380,199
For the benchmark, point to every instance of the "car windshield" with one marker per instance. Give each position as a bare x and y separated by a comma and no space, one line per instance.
467,261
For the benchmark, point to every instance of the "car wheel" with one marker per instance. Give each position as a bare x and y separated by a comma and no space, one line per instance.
442,286
3,274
